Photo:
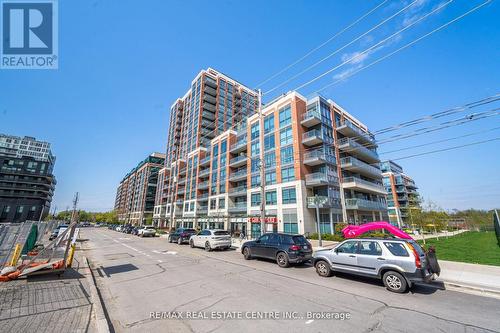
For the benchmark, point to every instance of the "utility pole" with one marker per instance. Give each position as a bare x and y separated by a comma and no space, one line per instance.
316,203
73,227
262,167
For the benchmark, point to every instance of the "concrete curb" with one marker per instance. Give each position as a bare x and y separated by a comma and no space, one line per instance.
100,318
470,287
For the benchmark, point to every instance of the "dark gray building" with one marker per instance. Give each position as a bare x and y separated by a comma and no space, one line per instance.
27,182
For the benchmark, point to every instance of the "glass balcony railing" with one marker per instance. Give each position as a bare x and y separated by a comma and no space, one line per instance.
358,131
321,178
376,186
238,207
363,204
238,160
313,117
353,163
239,145
203,185
205,160
323,202
319,154
353,147
239,174
204,173
238,190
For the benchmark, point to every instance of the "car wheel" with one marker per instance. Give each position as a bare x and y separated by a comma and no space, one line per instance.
191,243
282,259
323,268
246,253
208,248
395,282
179,240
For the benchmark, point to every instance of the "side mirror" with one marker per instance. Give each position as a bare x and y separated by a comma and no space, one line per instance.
336,250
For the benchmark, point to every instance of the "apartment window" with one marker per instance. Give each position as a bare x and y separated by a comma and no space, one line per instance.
271,178
287,174
289,195
285,116
222,188
255,199
269,124
269,142
271,198
186,207
270,159
222,203
286,155
223,146
290,224
213,203
255,165
286,136
254,131
255,181
255,148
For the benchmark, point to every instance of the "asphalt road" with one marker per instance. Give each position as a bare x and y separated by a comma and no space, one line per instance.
140,276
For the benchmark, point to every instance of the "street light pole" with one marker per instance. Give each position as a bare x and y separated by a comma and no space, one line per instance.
316,203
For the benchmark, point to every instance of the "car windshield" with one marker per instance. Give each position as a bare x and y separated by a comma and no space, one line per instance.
417,247
221,233
189,230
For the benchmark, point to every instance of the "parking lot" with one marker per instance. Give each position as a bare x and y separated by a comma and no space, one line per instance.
138,277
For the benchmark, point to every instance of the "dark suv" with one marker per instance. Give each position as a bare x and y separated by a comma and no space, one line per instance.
181,235
286,249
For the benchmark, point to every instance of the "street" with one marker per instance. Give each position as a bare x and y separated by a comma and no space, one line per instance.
138,277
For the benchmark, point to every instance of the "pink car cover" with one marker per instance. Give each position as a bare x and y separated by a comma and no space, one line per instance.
352,231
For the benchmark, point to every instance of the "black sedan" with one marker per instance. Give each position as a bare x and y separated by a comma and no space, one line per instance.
181,235
286,249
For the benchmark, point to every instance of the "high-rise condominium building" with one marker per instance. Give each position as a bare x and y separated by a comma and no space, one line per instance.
26,180
314,154
402,193
135,196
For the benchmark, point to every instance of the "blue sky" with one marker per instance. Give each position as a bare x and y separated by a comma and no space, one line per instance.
123,63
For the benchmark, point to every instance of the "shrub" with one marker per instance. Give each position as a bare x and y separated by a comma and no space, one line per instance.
327,237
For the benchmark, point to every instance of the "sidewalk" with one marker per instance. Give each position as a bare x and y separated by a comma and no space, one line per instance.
47,303
473,276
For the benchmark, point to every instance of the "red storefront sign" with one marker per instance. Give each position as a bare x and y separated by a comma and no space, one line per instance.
268,219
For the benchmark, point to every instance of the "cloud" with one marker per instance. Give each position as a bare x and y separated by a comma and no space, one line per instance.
346,73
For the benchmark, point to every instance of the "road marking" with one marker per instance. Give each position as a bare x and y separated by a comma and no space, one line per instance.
172,252
159,260
309,321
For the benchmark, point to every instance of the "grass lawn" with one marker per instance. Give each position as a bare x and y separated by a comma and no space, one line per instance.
471,247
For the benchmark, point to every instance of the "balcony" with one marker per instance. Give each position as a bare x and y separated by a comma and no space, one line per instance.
321,179
181,191
207,133
182,171
238,191
205,161
238,146
354,165
208,124
356,183
209,99
323,201
349,129
237,207
311,118
352,147
238,175
202,209
316,157
203,185
314,137
181,181
202,197
210,82
204,173
363,204
209,90
179,202
208,115
208,107
238,161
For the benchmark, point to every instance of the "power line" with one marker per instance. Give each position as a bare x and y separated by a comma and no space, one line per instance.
343,47
348,75
322,44
441,141
445,149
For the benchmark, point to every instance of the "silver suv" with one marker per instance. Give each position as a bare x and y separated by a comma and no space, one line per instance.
398,262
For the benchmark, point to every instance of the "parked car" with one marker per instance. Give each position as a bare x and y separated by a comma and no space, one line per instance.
135,231
397,262
286,249
119,228
146,231
56,230
181,235
211,239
